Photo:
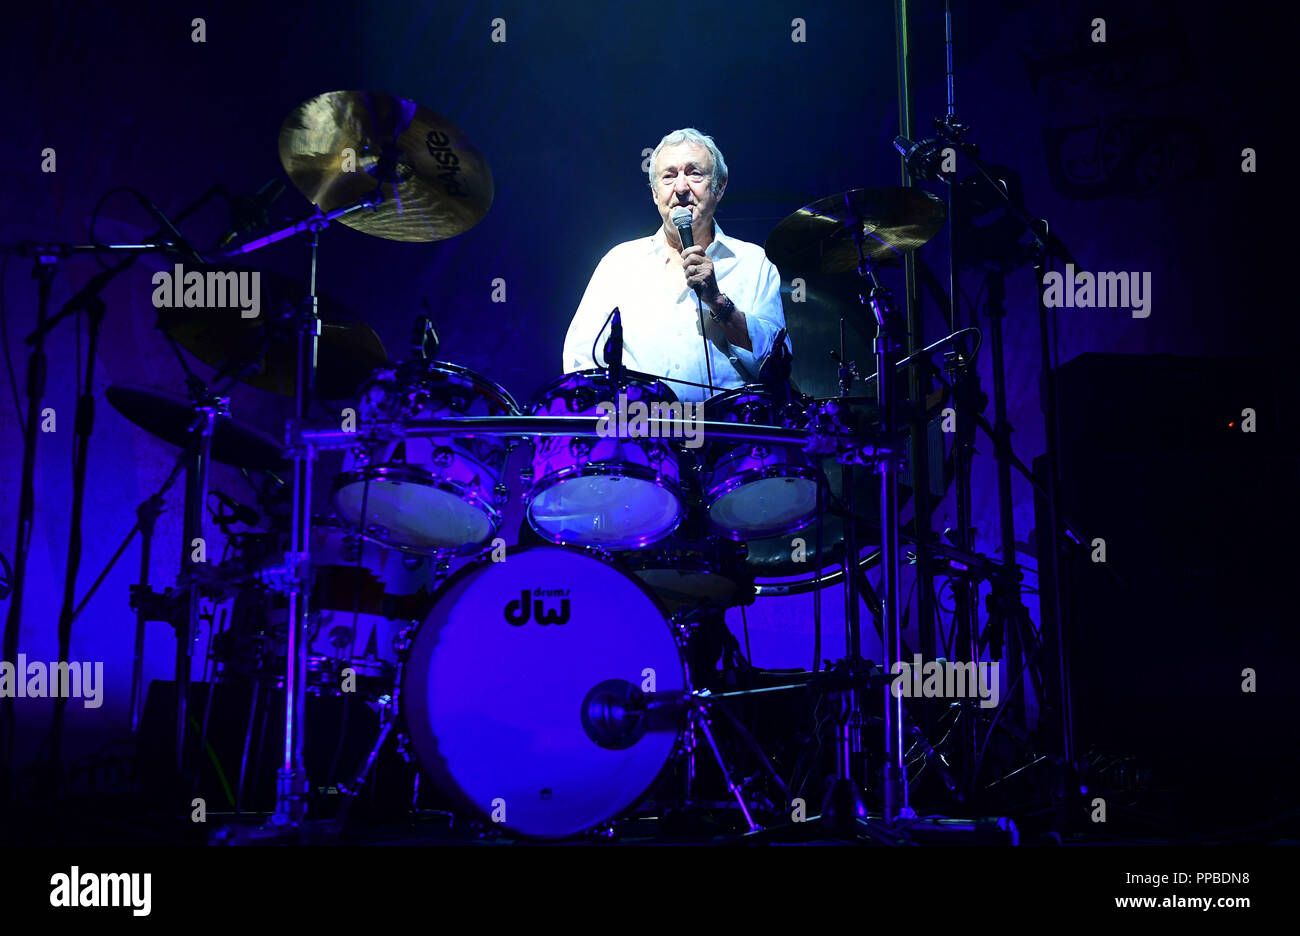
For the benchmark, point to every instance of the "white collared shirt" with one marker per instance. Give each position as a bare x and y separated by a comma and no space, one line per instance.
661,330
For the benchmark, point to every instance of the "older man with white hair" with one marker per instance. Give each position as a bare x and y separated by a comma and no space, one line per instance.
672,299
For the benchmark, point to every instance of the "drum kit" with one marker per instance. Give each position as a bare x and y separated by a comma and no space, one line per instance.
545,687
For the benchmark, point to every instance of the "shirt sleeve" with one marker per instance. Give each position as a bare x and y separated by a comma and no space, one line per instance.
764,315
588,322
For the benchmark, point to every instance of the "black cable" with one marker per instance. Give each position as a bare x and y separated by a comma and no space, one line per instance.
708,357
356,623
94,215
749,657
596,341
4,335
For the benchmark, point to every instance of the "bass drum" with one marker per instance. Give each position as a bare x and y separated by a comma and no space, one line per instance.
506,680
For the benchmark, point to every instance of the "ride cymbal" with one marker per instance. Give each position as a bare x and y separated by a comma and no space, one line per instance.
819,238
347,353
337,147
169,416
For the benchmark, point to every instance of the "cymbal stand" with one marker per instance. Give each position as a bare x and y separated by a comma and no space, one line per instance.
294,577
887,345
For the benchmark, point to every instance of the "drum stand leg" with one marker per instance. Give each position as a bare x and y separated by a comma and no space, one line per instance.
699,718
354,788
698,723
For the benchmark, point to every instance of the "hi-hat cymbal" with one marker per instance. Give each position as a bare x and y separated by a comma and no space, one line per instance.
170,415
335,147
347,353
818,238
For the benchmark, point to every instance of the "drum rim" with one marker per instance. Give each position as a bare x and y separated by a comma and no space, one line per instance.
595,469
548,390
784,587
420,478
476,379
725,399
403,721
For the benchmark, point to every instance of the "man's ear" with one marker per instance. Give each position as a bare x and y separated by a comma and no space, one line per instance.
721,189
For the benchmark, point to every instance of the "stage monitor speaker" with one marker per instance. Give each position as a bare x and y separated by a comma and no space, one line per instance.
1182,475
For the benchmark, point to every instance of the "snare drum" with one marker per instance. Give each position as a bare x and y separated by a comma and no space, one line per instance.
753,491
604,492
687,575
364,597
439,494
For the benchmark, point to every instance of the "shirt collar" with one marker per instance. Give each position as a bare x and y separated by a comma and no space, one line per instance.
719,246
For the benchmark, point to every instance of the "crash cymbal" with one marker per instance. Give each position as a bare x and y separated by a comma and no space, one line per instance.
348,351
818,238
336,145
169,417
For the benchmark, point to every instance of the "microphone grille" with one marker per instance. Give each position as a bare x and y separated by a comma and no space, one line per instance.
681,217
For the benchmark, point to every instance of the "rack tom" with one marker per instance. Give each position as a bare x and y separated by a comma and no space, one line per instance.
755,490
607,492
440,495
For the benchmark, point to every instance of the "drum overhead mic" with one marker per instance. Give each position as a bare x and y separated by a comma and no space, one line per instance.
424,338
614,346
681,218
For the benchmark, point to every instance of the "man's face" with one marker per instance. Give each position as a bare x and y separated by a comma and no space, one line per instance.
684,178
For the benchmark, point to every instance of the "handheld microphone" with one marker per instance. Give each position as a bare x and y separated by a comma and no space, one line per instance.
681,218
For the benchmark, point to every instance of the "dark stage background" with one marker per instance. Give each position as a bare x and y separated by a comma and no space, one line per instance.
1132,149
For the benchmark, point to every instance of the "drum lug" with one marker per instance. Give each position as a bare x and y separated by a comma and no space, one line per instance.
579,447
501,494
402,642
603,831
287,577
484,831
404,748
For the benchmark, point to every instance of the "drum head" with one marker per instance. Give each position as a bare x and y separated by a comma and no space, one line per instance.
605,510
766,507
415,514
493,697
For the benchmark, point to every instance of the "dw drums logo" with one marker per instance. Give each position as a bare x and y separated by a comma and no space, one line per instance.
518,611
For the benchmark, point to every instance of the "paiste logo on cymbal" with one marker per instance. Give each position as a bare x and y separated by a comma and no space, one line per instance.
438,144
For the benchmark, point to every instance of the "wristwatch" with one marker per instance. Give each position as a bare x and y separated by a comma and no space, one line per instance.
726,309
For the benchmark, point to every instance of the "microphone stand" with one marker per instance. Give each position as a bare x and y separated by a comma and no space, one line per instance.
1042,260
895,793
43,270
46,258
